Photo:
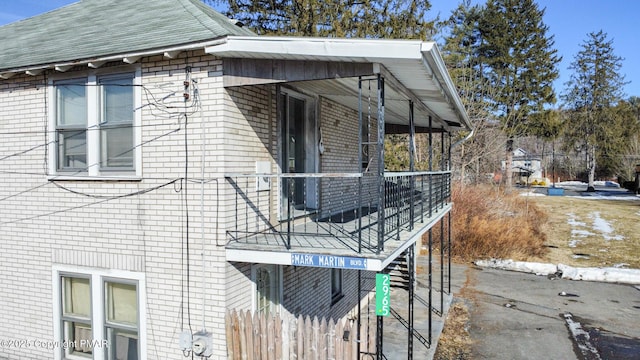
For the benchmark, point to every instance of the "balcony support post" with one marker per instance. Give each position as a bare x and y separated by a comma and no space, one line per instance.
412,275
412,166
442,177
381,180
430,167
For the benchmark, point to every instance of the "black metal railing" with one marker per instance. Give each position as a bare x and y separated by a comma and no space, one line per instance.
333,209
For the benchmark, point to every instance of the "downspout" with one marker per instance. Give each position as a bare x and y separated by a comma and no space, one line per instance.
465,139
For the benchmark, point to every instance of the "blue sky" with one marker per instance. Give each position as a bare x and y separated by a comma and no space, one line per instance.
569,21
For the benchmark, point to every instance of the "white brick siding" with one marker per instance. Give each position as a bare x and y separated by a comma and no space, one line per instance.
141,225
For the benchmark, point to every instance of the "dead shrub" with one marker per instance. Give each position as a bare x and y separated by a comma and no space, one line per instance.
487,223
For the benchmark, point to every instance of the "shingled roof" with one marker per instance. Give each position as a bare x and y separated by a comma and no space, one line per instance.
93,29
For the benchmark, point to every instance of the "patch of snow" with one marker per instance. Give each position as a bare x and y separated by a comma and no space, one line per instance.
571,183
573,243
580,257
581,233
581,338
531,194
620,265
610,274
603,226
521,266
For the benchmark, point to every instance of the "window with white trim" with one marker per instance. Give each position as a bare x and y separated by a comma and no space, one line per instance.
95,121
98,317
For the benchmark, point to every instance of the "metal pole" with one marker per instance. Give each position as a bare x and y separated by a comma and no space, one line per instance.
381,180
361,170
430,168
449,217
379,342
411,269
430,281
358,335
441,266
449,249
412,131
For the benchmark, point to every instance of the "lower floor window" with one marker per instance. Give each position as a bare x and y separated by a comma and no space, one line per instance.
99,317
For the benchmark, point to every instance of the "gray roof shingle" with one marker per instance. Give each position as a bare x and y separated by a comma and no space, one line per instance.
91,29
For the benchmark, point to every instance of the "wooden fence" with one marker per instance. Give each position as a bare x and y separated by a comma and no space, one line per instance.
254,337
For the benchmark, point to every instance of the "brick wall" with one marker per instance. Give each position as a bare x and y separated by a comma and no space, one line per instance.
116,224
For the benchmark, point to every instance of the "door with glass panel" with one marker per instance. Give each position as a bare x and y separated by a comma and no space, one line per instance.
268,289
299,154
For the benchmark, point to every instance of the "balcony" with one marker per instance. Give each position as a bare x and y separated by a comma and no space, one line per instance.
366,219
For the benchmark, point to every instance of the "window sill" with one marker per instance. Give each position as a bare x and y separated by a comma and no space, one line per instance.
336,299
84,177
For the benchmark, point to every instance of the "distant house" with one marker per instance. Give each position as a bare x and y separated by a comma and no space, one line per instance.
162,165
524,166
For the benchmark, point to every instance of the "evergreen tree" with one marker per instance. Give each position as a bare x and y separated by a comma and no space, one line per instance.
599,122
399,19
460,52
519,63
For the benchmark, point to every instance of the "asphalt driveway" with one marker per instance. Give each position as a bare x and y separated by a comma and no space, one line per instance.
524,316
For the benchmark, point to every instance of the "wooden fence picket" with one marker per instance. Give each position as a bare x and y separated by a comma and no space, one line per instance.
285,337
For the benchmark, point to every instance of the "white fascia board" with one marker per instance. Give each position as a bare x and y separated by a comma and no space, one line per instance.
260,257
301,48
97,62
437,65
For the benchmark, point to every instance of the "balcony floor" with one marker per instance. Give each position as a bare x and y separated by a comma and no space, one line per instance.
337,237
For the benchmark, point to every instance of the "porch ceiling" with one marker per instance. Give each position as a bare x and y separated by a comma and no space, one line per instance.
413,70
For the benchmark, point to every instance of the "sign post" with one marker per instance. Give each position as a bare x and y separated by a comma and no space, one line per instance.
383,295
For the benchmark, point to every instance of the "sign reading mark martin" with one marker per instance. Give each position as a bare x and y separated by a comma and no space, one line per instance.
328,261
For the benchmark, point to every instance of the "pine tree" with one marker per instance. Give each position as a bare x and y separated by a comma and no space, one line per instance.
598,120
399,19
460,52
520,64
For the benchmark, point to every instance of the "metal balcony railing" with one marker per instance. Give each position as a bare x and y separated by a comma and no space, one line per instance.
333,210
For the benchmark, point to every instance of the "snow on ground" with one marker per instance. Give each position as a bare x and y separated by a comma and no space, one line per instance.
609,274
604,227
579,229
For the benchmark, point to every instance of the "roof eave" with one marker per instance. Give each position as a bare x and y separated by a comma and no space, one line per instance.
393,52
95,62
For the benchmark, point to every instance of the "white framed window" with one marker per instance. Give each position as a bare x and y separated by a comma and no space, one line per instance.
95,122
267,288
99,314
336,285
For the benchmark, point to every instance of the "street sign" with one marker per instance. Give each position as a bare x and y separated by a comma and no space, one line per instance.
383,295
328,261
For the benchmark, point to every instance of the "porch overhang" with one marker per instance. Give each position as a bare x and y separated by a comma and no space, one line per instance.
413,71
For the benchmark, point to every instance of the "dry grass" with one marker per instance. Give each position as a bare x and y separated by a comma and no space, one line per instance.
487,223
571,222
455,341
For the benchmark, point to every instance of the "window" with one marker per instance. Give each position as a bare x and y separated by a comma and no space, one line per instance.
76,315
95,125
121,321
98,316
116,123
268,288
336,285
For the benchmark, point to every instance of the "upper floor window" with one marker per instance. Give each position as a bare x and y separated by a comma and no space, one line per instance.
95,128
